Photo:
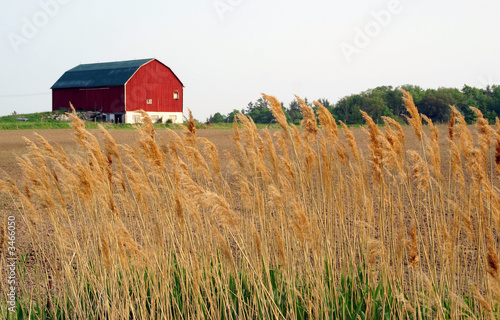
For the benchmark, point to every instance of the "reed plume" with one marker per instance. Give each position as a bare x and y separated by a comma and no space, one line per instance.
190,131
451,125
351,142
327,122
278,113
497,146
373,133
3,233
433,149
308,119
414,120
412,246
421,173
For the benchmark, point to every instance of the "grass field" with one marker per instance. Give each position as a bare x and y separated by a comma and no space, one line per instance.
43,120
318,223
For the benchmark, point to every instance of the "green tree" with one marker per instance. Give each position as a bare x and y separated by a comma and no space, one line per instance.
216,118
230,116
478,98
436,104
375,105
294,112
347,109
259,111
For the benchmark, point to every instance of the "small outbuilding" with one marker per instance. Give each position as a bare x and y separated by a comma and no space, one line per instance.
114,90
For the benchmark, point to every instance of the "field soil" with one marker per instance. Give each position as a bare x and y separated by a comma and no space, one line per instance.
13,145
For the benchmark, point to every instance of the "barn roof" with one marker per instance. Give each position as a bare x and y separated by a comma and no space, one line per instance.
99,74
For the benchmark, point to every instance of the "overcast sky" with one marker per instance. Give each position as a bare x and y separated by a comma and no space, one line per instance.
228,51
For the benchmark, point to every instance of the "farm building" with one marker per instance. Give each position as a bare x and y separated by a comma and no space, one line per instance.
114,90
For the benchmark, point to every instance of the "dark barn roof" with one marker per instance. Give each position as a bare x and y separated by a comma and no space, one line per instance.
93,75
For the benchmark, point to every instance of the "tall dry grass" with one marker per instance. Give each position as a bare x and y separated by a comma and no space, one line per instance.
304,226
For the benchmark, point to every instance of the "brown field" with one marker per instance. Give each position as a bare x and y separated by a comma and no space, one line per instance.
261,213
13,145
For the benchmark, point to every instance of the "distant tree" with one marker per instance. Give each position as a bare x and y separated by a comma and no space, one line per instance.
347,109
326,104
495,99
481,99
294,112
416,92
259,111
387,101
230,116
374,104
216,118
436,104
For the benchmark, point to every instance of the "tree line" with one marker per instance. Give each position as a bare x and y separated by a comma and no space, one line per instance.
385,101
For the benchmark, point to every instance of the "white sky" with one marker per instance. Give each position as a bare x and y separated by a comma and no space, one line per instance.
228,51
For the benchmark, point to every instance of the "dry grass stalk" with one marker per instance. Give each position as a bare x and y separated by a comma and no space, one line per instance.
78,125
433,149
482,301
213,156
190,131
493,263
462,133
301,223
484,134
147,123
257,240
451,125
279,243
399,130
328,123
412,246
351,141
476,165
375,249
278,113
393,139
376,154
421,173
466,219
105,252
342,153
414,120
497,146
456,164
3,233
226,251
308,120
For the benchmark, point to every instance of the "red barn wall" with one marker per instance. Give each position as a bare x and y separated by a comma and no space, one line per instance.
107,100
157,82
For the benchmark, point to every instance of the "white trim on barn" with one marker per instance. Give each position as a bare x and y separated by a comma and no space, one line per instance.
135,117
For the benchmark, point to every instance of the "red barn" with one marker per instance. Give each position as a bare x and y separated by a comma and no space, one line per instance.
117,89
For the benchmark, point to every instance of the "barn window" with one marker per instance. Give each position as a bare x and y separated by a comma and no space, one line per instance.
149,101
176,95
